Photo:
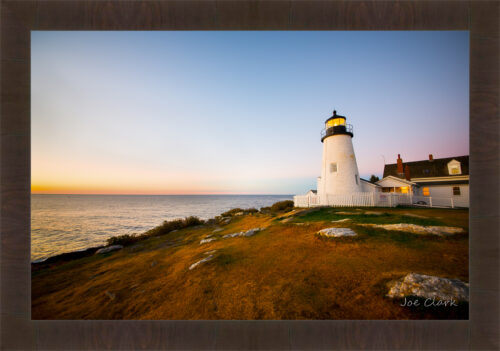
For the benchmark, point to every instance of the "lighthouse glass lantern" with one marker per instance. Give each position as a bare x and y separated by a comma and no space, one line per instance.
335,121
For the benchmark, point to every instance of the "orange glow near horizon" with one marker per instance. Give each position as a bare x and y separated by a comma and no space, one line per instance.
68,190
85,178
50,189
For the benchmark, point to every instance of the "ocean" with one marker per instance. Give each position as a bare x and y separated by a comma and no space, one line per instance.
65,223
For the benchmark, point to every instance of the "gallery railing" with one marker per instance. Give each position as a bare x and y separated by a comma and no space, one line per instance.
342,129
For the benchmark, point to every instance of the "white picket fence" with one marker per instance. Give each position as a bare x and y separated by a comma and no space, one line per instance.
378,199
351,200
432,201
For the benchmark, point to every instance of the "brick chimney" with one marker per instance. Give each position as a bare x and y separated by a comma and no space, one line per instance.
407,172
400,165
430,157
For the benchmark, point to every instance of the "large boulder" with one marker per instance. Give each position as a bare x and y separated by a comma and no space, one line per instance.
109,249
428,286
418,229
337,232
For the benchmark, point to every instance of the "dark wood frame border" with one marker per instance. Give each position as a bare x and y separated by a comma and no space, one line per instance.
19,17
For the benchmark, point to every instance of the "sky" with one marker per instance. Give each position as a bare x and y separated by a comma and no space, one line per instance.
240,112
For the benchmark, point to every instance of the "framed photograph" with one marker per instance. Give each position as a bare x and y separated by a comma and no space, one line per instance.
163,168
234,175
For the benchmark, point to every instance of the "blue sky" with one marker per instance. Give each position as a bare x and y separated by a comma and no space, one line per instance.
237,112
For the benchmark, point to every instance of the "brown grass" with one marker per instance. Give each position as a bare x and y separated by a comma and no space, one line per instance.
283,272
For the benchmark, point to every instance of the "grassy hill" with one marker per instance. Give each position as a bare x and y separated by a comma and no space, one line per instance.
285,271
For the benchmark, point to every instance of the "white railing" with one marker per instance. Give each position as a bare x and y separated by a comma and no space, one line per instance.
301,201
379,199
433,201
351,200
306,200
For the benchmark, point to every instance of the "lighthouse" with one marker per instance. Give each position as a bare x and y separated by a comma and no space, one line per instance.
339,170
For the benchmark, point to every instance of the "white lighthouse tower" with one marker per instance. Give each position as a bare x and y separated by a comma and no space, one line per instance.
339,170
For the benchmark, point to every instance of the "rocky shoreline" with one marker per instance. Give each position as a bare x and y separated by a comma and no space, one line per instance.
223,218
68,256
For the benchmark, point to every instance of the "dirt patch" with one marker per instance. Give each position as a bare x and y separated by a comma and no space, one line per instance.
373,213
415,215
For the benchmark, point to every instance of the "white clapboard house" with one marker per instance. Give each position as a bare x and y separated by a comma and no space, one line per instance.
440,179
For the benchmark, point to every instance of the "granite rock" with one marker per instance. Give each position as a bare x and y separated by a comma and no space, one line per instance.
109,249
427,286
207,240
196,264
418,229
249,232
337,232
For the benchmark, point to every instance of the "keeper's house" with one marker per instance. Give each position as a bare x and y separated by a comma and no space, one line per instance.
438,178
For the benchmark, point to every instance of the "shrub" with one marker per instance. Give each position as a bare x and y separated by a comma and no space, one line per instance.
123,240
162,229
281,206
234,211
266,209
175,224
211,221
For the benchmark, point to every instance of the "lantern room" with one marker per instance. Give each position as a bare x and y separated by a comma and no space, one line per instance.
335,120
336,125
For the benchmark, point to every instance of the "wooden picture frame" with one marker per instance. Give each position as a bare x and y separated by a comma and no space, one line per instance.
18,18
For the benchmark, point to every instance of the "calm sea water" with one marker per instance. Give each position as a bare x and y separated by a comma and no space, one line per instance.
64,223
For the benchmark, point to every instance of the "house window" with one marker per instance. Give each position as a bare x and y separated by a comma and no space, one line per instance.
356,178
404,189
456,190
333,167
425,192
454,167
455,170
